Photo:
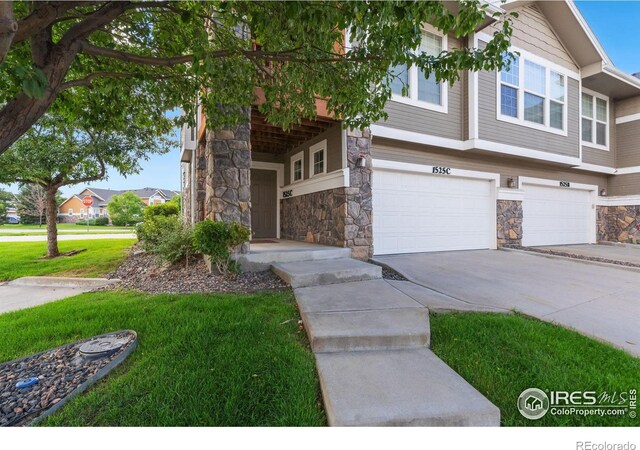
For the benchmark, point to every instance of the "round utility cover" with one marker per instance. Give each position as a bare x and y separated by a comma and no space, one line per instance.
103,346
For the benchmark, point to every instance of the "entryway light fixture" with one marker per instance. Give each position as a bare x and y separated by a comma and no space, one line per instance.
511,183
361,162
603,192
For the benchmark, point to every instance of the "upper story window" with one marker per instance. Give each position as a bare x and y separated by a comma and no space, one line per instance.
318,158
532,94
412,86
595,119
297,167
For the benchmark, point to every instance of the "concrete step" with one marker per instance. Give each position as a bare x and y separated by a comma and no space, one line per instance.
367,330
399,388
322,272
261,261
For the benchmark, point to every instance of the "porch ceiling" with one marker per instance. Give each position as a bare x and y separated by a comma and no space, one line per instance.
268,138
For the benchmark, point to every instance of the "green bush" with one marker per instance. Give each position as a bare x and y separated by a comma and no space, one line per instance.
163,209
219,240
167,238
98,221
84,223
102,221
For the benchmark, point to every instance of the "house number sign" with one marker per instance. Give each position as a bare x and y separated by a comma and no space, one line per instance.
565,184
441,170
287,194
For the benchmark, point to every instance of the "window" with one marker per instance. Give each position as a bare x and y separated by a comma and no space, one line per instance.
81,212
532,94
413,86
595,113
70,212
297,168
318,158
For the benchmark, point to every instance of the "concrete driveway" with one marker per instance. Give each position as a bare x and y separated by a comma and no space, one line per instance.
626,253
602,302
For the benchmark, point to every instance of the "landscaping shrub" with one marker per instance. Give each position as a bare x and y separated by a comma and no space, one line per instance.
102,221
163,209
165,235
99,221
219,240
84,223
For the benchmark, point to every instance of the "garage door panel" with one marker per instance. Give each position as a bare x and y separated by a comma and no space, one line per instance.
554,215
418,212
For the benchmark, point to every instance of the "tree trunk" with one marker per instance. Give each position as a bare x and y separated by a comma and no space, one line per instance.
52,226
8,27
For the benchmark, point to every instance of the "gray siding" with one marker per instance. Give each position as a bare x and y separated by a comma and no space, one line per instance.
628,144
492,129
334,152
628,106
421,120
468,160
602,157
532,32
624,184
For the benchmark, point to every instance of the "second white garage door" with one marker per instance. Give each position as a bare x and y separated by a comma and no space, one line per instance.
554,215
422,212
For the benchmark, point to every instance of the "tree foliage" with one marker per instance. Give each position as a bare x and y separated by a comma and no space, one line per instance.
107,63
125,209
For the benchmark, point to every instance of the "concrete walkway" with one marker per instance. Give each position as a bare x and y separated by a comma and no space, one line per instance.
597,301
33,291
371,343
68,237
623,253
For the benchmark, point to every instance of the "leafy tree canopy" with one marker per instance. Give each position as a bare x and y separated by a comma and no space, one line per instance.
125,209
106,64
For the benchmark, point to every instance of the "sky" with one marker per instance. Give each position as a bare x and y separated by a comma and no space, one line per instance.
615,24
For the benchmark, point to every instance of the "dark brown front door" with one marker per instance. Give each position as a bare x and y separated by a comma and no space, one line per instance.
264,203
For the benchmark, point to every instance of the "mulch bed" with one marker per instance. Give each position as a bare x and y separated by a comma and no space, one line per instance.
576,256
59,371
141,272
390,274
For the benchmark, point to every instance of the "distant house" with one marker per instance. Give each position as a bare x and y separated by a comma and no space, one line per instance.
72,210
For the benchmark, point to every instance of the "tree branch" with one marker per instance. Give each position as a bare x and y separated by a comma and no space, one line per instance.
86,81
8,28
44,15
103,172
169,61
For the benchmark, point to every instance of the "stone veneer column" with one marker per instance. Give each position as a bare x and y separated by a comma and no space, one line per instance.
200,161
228,180
358,231
509,222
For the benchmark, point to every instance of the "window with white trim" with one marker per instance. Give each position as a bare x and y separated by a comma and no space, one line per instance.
70,212
318,159
532,94
81,212
297,167
595,120
411,85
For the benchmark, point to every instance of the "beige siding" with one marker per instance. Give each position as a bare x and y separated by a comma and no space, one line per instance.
334,152
267,157
532,32
72,203
602,157
421,120
624,184
628,106
492,129
628,144
506,167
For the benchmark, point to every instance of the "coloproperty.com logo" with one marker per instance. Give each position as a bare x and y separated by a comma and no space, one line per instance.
535,403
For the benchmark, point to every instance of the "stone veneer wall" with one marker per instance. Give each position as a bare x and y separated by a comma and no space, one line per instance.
201,172
228,180
618,223
318,217
340,217
509,222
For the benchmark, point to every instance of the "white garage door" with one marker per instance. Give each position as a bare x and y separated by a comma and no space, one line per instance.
557,215
421,212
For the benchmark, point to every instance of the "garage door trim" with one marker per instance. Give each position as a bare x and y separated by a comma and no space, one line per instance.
492,178
593,195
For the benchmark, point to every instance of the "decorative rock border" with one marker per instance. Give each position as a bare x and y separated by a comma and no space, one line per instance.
576,256
62,372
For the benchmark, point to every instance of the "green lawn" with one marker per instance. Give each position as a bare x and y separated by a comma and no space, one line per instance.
63,228
202,360
21,259
502,355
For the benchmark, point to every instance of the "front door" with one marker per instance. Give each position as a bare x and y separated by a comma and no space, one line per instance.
264,203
